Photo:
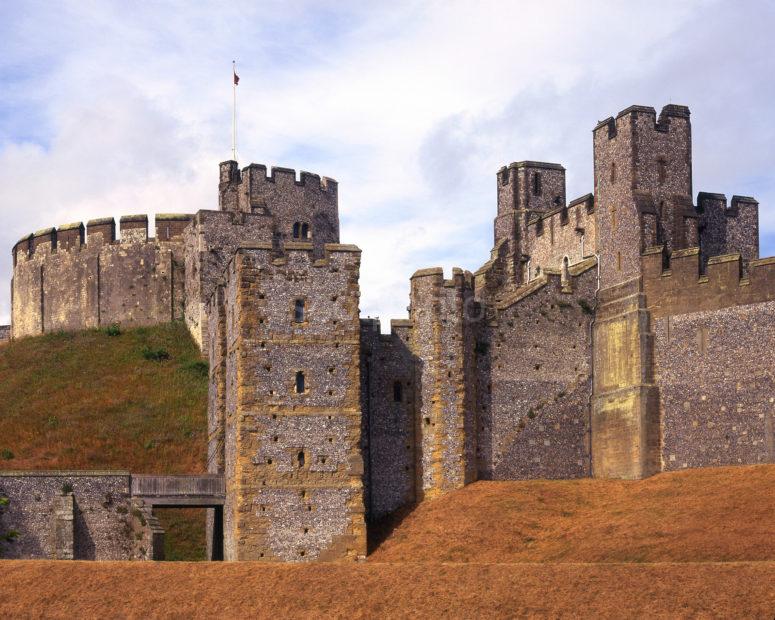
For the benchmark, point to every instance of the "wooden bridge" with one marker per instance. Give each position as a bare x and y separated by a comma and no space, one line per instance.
203,490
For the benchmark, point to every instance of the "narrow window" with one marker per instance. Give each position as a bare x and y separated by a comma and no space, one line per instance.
397,392
613,172
661,170
619,261
301,459
299,382
296,230
537,184
298,311
305,231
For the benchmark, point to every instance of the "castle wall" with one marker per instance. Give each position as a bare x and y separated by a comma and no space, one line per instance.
725,230
682,289
209,243
312,200
534,373
74,515
524,188
442,314
715,378
625,399
293,461
558,234
387,400
717,386
61,282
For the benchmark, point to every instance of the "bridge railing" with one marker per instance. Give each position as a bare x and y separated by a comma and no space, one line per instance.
200,485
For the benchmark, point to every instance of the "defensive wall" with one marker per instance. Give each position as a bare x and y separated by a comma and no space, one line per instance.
534,371
563,235
388,375
76,515
77,277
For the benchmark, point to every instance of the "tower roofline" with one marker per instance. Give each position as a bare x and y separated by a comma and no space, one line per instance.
533,164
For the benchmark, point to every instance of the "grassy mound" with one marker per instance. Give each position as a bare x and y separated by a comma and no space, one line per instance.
109,399
724,514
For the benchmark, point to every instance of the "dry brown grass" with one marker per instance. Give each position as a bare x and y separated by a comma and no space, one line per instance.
715,514
371,590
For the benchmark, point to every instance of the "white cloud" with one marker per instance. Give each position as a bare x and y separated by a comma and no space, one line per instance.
116,108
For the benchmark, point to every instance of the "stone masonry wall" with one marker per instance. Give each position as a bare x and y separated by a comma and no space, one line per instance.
642,173
717,386
293,460
312,200
558,234
102,524
387,396
443,313
61,282
534,375
724,230
209,244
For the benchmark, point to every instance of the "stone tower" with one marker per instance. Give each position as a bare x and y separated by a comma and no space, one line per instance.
524,188
643,187
285,405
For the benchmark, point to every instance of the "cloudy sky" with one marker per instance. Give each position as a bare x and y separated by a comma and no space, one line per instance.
118,108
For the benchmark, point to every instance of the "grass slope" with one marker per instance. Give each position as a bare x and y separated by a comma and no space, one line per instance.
253,590
702,515
136,400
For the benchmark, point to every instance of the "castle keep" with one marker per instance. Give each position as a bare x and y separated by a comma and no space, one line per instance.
619,334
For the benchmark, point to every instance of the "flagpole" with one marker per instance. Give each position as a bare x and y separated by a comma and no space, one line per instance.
234,111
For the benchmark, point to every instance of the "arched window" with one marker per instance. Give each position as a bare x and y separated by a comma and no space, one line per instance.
298,311
296,230
305,232
397,392
300,458
537,184
299,382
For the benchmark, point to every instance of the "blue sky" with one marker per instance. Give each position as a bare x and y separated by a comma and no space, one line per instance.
117,108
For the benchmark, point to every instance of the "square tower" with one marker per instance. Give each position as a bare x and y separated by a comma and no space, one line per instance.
524,188
290,408
643,187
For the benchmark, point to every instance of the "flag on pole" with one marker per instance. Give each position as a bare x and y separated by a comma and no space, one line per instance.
235,81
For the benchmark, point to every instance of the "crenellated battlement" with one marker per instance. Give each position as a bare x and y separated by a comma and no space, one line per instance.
682,286
97,232
257,173
612,125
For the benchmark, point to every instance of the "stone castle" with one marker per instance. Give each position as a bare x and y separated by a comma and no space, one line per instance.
620,334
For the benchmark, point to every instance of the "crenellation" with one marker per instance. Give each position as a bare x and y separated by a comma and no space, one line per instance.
101,230
63,282
70,236
134,228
